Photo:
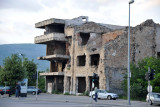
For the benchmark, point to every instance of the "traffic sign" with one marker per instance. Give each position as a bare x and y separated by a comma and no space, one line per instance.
149,88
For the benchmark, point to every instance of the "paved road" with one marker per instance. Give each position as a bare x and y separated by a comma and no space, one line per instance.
50,100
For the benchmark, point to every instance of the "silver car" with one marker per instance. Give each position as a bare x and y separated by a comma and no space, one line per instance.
154,98
103,94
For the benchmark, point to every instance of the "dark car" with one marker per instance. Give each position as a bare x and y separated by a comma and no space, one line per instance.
33,89
8,90
1,89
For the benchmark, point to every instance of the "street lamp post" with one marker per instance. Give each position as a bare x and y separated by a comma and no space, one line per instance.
129,73
22,61
22,58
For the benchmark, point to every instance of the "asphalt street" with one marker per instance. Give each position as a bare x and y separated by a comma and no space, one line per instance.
50,100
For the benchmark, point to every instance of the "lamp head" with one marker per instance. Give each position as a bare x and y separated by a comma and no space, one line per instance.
131,1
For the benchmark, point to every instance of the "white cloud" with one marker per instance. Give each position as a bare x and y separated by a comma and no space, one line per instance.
18,17
25,5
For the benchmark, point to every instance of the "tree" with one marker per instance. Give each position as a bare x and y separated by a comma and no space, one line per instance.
138,82
30,69
15,69
41,82
12,71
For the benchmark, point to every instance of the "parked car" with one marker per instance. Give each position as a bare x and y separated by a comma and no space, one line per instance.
154,98
8,90
33,89
103,94
1,89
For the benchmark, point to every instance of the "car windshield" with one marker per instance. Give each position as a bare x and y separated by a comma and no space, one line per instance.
1,87
7,87
102,91
156,95
106,91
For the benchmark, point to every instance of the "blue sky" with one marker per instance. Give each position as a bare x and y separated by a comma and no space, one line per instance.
18,17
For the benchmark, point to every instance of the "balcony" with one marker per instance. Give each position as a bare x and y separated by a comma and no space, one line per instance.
44,39
52,73
51,21
54,57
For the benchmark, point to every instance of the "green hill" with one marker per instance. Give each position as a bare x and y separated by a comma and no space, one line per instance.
31,51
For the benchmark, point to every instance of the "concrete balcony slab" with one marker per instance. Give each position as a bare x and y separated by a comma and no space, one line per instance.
51,73
54,57
44,39
51,21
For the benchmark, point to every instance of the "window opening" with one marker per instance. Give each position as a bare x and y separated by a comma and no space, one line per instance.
158,54
81,60
84,19
85,37
95,59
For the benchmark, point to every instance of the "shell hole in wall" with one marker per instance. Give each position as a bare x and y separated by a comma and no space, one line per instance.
85,37
139,51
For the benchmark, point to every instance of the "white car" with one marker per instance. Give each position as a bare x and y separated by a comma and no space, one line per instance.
154,98
103,94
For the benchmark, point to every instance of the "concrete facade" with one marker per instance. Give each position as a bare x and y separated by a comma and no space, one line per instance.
78,48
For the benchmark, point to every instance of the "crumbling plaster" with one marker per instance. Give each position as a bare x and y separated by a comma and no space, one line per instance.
143,45
157,38
93,46
111,43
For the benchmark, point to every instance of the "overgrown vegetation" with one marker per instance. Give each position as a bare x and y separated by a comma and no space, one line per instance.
138,83
67,93
12,71
56,92
15,68
41,82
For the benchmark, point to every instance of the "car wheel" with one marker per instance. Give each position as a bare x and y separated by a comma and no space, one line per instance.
33,93
109,97
150,102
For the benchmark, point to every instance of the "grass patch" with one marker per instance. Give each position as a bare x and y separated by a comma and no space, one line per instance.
67,93
133,99
56,92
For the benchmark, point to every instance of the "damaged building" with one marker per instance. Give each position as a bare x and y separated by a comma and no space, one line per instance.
77,48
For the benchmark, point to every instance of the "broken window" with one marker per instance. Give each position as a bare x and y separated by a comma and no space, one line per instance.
53,66
158,54
56,48
84,19
84,38
94,59
81,60
68,66
63,65
58,28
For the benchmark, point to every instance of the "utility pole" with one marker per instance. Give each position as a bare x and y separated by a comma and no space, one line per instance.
37,85
129,73
149,83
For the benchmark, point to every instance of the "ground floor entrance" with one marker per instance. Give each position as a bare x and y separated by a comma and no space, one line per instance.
54,83
81,84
